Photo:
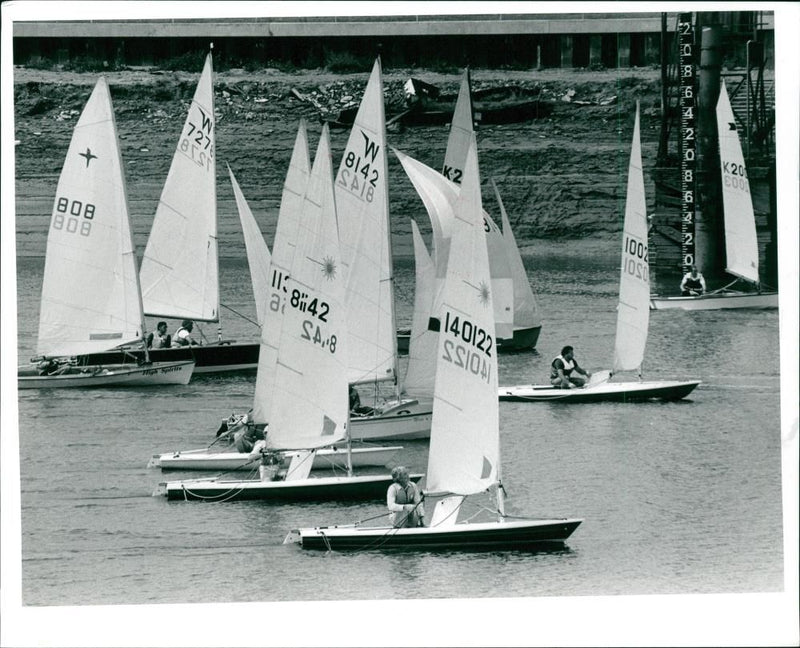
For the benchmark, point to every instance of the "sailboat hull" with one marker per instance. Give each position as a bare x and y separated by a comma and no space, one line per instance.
202,459
525,535
208,358
624,392
396,425
313,489
717,301
157,373
524,339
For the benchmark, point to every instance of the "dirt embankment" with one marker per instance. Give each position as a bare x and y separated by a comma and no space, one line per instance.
562,176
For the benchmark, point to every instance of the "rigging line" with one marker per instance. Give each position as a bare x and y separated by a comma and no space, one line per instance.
235,312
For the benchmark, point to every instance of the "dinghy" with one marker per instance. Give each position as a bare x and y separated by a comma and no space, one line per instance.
90,291
633,316
517,320
302,379
741,240
464,458
180,269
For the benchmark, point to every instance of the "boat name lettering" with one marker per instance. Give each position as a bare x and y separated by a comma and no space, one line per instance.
452,174
465,358
311,331
165,370
149,372
468,332
72,211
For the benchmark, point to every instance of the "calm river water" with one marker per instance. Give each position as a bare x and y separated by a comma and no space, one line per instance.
676,498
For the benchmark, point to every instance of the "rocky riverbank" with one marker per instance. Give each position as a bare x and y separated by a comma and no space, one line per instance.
561,176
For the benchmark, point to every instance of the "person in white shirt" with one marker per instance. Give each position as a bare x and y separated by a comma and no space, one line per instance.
693,283
404,500
183,336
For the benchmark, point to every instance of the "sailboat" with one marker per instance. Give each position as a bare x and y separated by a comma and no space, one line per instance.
362,202
90,291
517,320
633,315
741,241
222,454
180,269
302,380
464,456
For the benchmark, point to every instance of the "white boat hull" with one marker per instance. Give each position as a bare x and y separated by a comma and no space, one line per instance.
508,534
605,391
405,422
157,373
718,301
363,487
202,459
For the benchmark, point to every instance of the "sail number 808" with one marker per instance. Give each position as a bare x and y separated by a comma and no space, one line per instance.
76,215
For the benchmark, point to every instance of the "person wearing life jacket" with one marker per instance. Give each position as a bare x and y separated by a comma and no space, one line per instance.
562,367
159,339
693,283
183,336
404,500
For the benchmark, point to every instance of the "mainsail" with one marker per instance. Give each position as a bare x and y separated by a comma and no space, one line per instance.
526,312
464,448
283,250
741,241
90,293
258,257
180,274
633,310
363,208
308,329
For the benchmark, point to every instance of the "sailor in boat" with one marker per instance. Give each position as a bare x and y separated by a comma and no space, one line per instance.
404,500
693,283
356,408
183,336
159,339
562,368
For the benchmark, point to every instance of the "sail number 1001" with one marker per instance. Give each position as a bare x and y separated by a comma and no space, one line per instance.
634,261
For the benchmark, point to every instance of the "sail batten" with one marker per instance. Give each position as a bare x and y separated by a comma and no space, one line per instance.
90,293
180,268
741,239
633,310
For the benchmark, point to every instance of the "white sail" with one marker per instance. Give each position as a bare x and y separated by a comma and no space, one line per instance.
421,368
363,208
90,293
464,448
633,310
180,274
258,256
309,398
283,249
526,312
461,131
741,241
439,196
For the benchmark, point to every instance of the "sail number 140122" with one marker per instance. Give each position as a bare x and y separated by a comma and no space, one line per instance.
470,348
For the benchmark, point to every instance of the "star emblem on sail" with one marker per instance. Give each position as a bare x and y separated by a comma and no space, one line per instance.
483,293
329,268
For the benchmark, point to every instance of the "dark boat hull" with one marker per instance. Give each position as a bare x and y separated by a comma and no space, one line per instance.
313,489
525,535
210,358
